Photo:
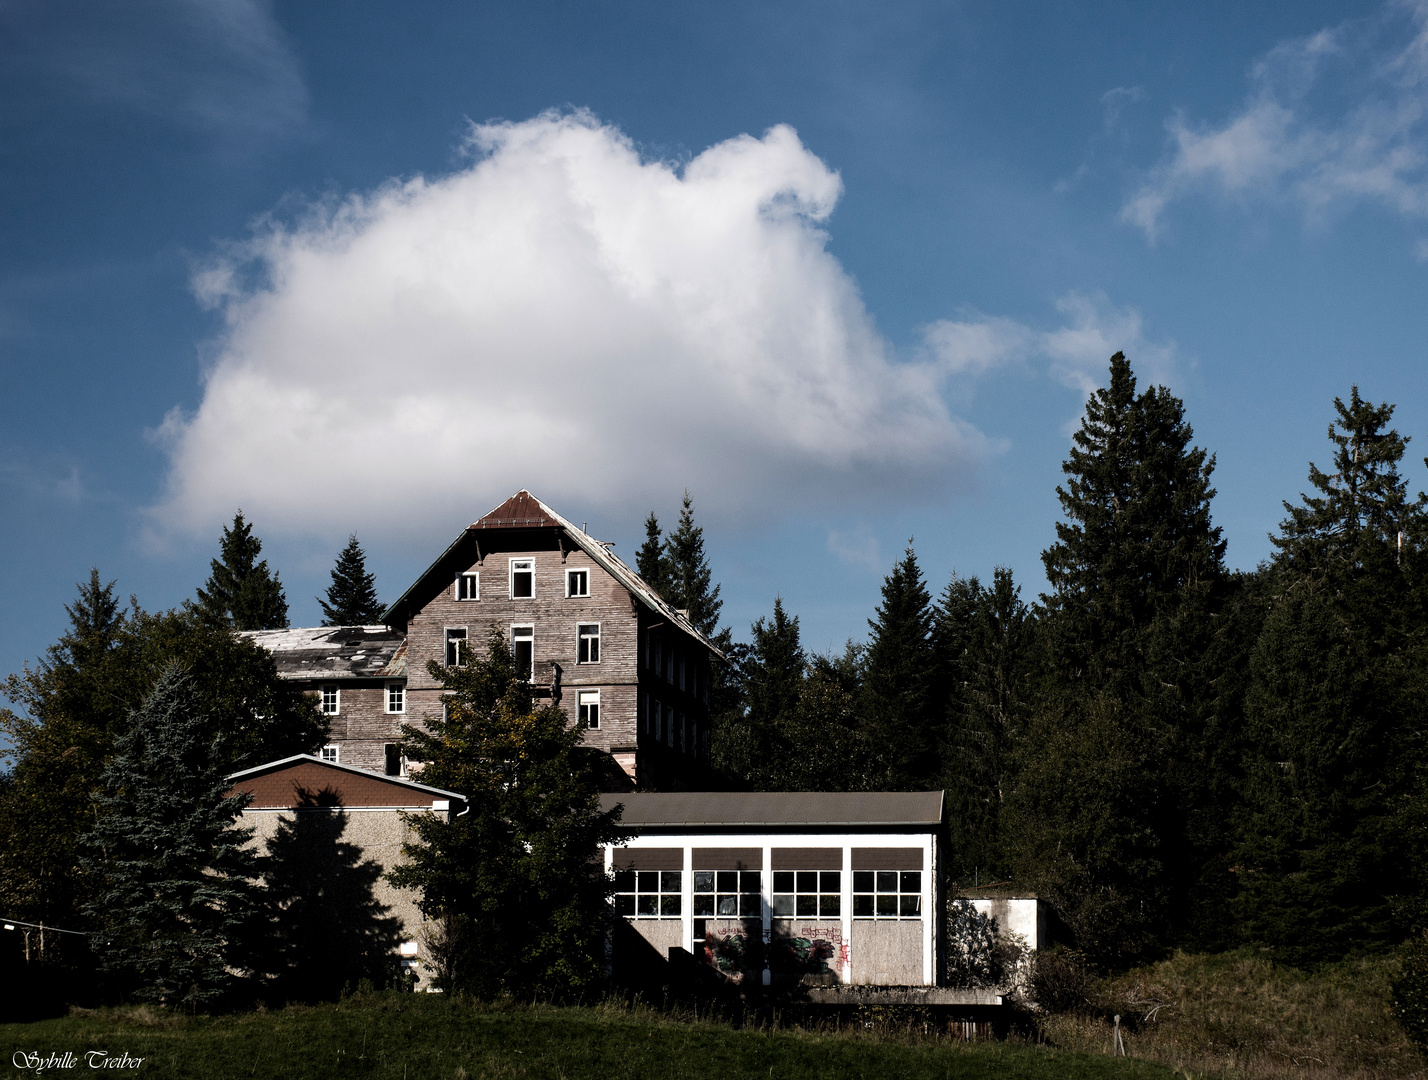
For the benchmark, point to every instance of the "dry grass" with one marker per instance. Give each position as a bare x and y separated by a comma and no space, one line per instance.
1236,1015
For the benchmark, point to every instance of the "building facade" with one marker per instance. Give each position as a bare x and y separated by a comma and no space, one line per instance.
589,633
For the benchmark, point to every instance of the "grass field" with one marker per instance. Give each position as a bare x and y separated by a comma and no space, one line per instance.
415,1037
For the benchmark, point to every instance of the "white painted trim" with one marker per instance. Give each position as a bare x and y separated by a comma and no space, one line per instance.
766,908
686,902
511,577
571,570
348,809
336,698
599,642
456,589
845,905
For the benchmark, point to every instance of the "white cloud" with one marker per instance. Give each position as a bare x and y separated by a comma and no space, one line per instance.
1332,118
860,550
214,65
1078,352
563,315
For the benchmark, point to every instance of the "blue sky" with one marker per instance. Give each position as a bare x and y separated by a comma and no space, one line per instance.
845,271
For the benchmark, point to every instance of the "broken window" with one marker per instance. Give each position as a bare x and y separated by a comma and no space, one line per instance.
468,586
887,894
589,704
522,578
523,649
807,893
728,894
396,698
589,634
329,753
648,894
331,699
577,583
455,639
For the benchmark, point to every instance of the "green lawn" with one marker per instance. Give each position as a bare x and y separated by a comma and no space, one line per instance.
419,1036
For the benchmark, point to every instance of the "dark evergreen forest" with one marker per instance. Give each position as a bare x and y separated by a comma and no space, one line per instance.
1171,753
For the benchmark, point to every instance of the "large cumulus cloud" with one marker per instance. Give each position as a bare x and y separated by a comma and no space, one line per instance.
563,314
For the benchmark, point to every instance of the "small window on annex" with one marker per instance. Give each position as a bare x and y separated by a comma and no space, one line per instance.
589,704
468,586
648,894
728,893
455,638
331,699
807,893
328,753
577,583
589,634
523,649
887,894
522,578
396,698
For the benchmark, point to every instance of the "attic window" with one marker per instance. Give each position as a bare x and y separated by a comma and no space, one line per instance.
331,699
522,578
468,586
577,583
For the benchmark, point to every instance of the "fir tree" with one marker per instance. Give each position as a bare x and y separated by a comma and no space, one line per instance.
514,882
899,681
650,561
753,746
1338,677
177,875
241,592
352,596
690,580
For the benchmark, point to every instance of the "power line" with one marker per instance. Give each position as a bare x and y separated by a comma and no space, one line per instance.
10,924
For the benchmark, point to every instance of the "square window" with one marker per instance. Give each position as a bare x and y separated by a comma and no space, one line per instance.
522,578
783,881
782,905
649,880
669,880
624,881
669,905
577,583
911,881
887,905
751,881
704,903
909,906
396,698
750,905
589,708
455,640
728,905
807,905
887,881
704,881
728,881
589,636
468,586
808,881
863,906
647,904
625,905
523,650
328,753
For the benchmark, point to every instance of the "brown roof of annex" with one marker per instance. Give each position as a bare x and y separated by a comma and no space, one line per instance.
808,809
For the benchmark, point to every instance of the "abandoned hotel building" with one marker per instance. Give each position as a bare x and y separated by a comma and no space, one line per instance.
838,890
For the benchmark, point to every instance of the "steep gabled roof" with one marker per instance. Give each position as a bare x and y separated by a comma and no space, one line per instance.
282,783
524,511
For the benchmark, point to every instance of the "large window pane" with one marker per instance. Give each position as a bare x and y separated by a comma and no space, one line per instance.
863,906
911,905
783,904
703,881
887,881
625,904
703,904
646,904
783,881
887,905
829,881
807,905
649,881
728,881
862,881
669,905
728,905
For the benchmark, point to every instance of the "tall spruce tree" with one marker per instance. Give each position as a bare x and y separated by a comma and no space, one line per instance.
690,578
176,873
514,882
900,680
650,561
753,745
1334,706
1133,576
352,596
242,592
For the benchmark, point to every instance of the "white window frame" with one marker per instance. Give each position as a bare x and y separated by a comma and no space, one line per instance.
459,589
323,689
531,637
583,700
570,575
400,689
446,640
580,639
525,561
336,753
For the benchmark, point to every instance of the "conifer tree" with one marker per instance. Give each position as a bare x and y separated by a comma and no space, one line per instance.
754,744
352,596
689,576
1338,677
650,559
899,680
241,592
513,881
176,872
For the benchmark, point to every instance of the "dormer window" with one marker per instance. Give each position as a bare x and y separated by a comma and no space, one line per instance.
522,578
577,583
